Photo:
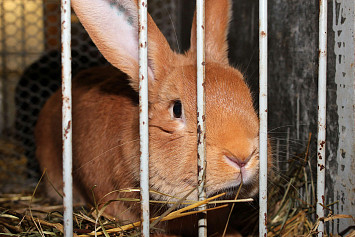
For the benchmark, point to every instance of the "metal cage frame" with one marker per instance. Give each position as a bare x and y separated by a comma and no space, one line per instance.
67,128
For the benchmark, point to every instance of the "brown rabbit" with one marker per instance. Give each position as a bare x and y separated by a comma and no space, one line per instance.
105,116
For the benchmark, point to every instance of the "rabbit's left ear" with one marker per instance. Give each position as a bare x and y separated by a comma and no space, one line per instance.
217,17
113,27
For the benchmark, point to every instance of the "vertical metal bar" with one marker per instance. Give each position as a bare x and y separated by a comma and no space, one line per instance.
67,118
322,81
263,117
143,115
201,127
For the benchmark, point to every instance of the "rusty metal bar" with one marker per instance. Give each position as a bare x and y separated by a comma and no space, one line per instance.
322,81
201,127
143,115
263,116
67,118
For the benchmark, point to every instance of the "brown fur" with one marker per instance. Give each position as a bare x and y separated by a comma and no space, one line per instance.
106,133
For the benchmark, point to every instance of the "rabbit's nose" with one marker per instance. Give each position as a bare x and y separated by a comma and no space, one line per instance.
240,162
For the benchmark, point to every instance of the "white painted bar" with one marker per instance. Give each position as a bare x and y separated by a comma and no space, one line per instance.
67,118
143,115
263,116
201,127
322,81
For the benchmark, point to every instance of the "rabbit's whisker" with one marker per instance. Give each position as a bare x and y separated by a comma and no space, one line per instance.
286,126
171,140
251,57
103,153
174,29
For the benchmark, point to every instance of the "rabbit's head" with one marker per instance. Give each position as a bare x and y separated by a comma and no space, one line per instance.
231,121
231,131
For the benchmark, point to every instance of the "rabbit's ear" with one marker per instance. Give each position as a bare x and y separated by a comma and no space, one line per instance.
113,26
217,18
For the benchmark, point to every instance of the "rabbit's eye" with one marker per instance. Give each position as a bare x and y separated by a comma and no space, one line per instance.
177,109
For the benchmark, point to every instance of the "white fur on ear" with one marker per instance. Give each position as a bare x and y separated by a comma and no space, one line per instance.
113,26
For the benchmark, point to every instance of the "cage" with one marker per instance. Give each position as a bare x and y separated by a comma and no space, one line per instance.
30,73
